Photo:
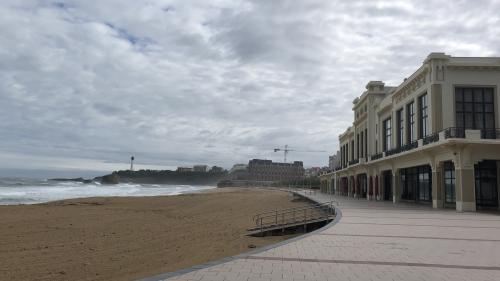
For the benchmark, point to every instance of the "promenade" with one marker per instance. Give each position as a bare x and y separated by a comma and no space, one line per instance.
373,241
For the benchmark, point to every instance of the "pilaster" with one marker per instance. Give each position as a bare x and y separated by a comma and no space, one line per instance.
464,189
396,190
437,186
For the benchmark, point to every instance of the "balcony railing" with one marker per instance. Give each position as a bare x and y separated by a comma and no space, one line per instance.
393,151
454,132
431,138
490,134
353,162
409,146
376,156
451,132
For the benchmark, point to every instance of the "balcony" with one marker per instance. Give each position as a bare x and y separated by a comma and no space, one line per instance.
431,138
490,134
448,133
353,162
392,151
454,132
409,146
376,156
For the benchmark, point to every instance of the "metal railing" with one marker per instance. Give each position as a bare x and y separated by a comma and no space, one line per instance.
403,148
454,132
376,156
353,162
490,133
431,138
392,151
409,146
279,218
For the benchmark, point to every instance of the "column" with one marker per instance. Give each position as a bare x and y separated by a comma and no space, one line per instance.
464,188
356,187
396,190
379,186
370,188
349,186
437,185
498,183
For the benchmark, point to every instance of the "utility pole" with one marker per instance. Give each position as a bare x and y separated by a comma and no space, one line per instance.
131,163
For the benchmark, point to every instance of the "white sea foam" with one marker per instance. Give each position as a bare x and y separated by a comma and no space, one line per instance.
16,191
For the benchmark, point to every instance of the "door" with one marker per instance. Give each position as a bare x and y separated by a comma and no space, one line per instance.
486,184
388,185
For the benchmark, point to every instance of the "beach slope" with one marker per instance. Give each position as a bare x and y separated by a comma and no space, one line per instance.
129,238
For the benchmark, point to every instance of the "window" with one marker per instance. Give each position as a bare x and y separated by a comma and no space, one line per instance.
357,146
474,108
424,185
416,183
362,145
352,150
387,126
485,173
400,126
347,152
424,116
449,182
342,155
366,143
410,122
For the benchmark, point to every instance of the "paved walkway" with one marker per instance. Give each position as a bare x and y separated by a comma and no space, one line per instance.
376,241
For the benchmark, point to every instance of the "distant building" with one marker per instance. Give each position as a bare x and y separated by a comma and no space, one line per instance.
266,170
200,168
312,172
238,167
216,169
334,161
184,169
239,172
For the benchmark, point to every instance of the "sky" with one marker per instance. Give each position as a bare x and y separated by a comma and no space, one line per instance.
86,84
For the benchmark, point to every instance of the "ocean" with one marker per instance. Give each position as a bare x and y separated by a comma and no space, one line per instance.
15,191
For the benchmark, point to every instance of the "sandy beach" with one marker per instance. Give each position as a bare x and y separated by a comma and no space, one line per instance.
130,238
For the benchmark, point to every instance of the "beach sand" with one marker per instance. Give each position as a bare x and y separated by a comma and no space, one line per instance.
130,237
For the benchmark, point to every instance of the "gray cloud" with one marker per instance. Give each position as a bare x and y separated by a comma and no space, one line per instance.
216,82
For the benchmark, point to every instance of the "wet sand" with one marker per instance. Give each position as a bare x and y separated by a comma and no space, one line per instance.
128,238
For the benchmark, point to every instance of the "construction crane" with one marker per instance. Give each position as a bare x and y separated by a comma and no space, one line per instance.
286,150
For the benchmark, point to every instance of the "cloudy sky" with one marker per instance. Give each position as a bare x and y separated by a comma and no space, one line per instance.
86,84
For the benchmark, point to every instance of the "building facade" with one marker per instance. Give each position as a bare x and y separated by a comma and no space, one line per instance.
432,140
184,169
239,172
266,170
200,168
312,172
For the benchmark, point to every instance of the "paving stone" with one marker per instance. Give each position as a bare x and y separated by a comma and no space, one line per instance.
377,241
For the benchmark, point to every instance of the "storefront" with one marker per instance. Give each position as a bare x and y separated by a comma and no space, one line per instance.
416,184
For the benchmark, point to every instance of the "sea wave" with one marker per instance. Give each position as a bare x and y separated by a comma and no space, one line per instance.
28,191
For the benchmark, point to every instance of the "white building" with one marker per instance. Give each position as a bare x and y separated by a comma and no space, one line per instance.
432,139
200,168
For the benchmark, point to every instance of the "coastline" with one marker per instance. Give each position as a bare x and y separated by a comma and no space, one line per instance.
37,191
127,238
